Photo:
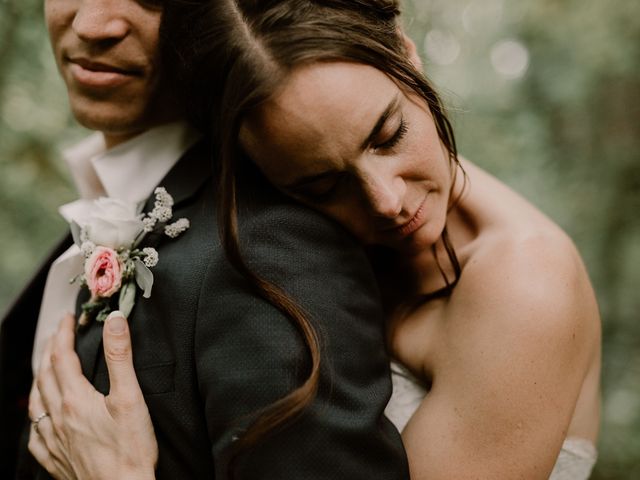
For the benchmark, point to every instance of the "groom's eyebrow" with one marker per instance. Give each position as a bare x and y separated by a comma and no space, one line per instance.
391,108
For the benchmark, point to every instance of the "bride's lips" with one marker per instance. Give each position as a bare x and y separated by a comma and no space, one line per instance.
413,224
100,75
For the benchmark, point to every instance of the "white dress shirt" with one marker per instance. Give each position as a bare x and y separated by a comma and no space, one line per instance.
129,171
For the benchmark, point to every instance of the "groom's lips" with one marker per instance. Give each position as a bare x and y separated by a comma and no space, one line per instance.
92,74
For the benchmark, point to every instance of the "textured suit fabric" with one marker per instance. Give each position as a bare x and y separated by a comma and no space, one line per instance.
209,353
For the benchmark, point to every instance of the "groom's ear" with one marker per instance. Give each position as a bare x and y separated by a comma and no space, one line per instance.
411,50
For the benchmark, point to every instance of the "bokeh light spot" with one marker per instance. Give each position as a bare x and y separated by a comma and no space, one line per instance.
510,58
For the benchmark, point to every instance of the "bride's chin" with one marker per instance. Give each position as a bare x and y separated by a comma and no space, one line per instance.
423,238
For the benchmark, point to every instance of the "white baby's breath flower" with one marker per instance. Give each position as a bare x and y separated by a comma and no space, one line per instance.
176,228
163,214
150,256
149,223
87,248
163,199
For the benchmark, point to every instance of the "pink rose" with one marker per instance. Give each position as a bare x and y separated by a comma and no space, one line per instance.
103,272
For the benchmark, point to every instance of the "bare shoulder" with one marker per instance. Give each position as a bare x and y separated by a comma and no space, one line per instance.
531,288
514,344
539,273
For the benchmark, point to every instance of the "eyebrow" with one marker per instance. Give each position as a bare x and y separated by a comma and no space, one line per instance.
308,179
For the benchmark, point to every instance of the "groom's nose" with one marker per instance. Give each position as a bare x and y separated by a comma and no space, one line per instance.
102,20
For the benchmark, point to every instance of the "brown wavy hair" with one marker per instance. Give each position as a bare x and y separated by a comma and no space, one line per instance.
242,50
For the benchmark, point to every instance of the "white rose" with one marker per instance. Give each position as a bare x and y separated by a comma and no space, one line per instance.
112,223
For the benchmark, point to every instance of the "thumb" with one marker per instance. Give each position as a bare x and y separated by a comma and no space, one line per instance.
119,357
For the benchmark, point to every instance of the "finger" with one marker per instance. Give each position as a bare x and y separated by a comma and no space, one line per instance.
119,357
45,396
43,429
41,453
58,469
41,425
47,383
36,407
42,436
64,359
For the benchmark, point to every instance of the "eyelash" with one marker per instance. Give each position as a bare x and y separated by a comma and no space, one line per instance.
395,139
389,144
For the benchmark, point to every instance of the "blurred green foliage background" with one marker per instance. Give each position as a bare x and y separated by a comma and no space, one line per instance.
545,94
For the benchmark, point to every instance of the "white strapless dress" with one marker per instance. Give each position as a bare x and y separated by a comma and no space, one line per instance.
575,461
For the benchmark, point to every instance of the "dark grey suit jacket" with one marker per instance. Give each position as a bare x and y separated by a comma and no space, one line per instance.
209,353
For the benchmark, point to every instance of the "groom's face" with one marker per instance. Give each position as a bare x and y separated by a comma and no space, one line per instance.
109,57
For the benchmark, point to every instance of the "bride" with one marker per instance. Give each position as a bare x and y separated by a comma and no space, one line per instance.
492,321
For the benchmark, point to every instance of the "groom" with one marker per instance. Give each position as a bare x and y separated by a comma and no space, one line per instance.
208,351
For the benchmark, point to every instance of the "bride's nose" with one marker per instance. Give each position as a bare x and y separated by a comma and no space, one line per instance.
384,194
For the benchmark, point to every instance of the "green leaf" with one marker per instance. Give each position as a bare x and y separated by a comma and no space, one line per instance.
144,278
103,314
127,298
94,310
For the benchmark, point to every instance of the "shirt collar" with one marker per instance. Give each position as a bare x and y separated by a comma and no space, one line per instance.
130,171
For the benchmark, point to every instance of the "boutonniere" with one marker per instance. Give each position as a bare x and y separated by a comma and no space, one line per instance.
114,261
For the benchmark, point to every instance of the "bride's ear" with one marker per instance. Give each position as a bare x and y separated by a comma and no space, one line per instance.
412,50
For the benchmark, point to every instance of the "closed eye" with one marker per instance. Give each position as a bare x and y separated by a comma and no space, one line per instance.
395,138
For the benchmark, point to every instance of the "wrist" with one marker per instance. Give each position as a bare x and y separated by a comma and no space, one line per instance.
139,474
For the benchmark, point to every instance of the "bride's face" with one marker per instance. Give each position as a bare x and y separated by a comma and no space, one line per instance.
344,139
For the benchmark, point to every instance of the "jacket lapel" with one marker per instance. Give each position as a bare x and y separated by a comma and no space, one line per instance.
182,182
17,330
187,176
31,295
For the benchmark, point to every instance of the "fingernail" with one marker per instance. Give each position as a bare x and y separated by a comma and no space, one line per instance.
116,322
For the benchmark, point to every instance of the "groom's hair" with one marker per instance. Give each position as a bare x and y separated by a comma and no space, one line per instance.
178,42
